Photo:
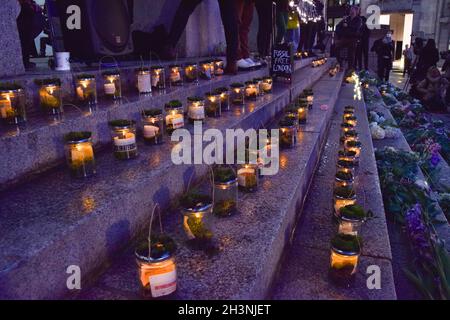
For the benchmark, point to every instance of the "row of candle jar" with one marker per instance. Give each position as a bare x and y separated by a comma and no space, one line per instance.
319,62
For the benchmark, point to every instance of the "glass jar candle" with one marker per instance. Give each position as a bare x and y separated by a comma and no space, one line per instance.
12,104
343,178
251,90
302,114
196,210
157,275
345,252
206,70
259,83
288,133
309,98
158,78
213,108
144,83
267,84
347,113
351,120
153,126
50,96
237,96
224,98
86,89
343,196
345,128
218,67
196,109
191,72
112,85
175,78
174,115
350,135
225,191
351,219
123,134
80,154
247,175
353,146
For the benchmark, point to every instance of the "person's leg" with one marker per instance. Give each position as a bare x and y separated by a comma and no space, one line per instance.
282,18
244,27
365,54
351,47
264,9
184,11
380,69
337,47
358,56
229,14
312,35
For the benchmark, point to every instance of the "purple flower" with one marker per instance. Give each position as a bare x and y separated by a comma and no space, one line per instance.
435,159
419,235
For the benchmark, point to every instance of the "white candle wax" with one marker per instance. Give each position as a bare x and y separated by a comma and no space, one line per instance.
150,131
130,138
242,173
5,106
110,88
197,112
175,120
144,84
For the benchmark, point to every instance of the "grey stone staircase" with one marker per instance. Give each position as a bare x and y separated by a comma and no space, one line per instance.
52,221
252,242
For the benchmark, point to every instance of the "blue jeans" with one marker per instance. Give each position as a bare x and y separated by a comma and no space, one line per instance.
293,35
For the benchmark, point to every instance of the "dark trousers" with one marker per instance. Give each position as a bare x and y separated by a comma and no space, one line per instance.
362,55
264,9
312,28
407,67
245,16
350,46
384,68
229,14
304,36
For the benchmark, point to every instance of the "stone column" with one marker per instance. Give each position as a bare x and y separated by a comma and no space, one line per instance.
10,49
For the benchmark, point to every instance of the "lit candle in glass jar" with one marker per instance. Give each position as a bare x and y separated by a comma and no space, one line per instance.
191,72
207,70
302,113
248,177
196,109
237,93
144,83
12,104
156,267
80,154
175,76
345,252
86,89
213,108
174,115
158,78
218,67
343,178
153,125
224,98
343,196
50,96
112,85
124,139
288,132
251,90
351,219
267,83
225,191
353,146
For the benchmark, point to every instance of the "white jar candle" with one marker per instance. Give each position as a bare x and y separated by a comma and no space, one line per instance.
150,131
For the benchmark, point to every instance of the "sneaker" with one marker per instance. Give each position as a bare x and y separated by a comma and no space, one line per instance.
243,64
253,62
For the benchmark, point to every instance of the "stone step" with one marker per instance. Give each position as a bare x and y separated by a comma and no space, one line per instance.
402,255
39,144
251,243
42,220
303,274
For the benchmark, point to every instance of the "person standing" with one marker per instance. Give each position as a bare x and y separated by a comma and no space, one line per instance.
348,33
429,57
384,48
229,14
362,49
408,56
